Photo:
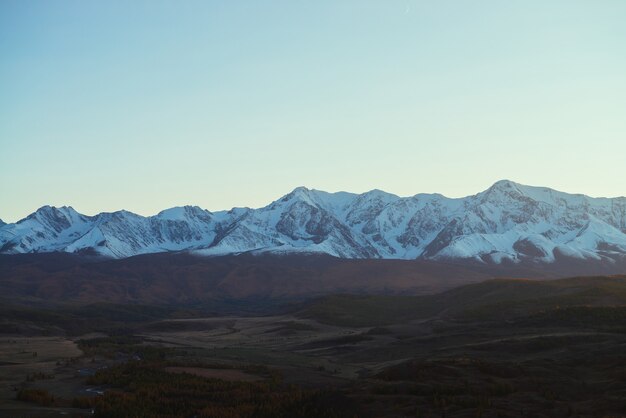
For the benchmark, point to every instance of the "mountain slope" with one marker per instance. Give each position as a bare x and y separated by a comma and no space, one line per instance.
508,222
171,278
490,300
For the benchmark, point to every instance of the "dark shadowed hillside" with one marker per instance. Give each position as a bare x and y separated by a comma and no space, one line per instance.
498,299
182,278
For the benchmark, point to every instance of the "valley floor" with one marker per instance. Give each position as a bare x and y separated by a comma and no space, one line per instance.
417,368
502,348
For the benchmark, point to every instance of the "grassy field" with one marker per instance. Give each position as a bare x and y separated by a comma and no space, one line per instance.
501,348
34,362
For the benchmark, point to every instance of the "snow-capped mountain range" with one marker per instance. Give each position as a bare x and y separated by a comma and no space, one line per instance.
508,221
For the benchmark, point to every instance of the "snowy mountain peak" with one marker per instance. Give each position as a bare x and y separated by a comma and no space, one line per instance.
301,189
48,211
54,218
505,185
507,221
380,195
312,197
180,213
300,193
504,188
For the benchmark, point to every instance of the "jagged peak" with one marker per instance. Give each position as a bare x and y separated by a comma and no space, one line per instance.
540,194
318,198
182,212
506,182
305,191
507,185
433,196
380,194
118,214
47,212
503,189
374,222
300,193
49,209
237,211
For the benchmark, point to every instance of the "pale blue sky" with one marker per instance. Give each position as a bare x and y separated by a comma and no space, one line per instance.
145,105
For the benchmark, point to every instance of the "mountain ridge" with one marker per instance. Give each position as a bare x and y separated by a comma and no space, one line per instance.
507,222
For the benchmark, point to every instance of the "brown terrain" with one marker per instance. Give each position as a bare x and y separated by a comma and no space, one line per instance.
173,335
183,278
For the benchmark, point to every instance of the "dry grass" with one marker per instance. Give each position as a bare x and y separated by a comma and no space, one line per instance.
231,375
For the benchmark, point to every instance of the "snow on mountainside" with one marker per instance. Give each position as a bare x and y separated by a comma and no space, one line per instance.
508,221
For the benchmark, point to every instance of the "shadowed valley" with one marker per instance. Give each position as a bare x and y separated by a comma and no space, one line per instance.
498,347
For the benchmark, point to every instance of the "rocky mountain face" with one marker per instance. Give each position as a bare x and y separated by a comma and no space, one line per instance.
507,222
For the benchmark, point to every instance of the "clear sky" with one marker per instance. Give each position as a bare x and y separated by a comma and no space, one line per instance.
144,105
